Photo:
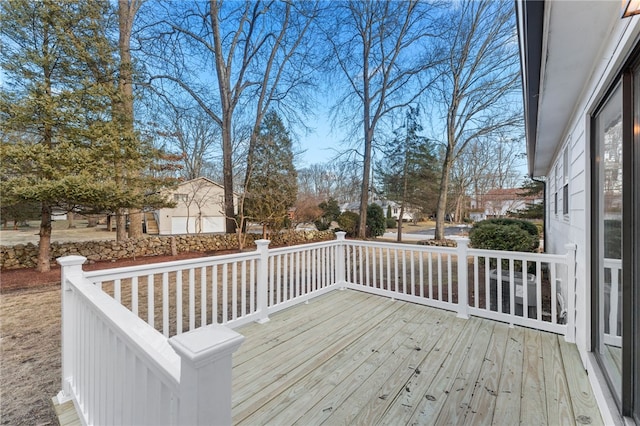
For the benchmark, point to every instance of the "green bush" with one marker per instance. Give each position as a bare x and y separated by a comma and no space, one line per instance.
391,223
511,237
530,228
348,222
375,221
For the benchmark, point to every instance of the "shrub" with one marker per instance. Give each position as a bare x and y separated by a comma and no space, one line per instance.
348,222
528,227
391,223
375,221
502,237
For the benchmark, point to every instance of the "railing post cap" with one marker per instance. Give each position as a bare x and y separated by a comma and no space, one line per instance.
340,235
72,260
464,241
262,243
207,344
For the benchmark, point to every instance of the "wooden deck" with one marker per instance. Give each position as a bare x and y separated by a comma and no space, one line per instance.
354,358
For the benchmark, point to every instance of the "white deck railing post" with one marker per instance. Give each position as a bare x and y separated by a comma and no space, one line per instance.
71,266
262,280
463,279
205,374
571,293
340,266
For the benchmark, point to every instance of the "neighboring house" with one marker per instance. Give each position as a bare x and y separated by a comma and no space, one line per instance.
581,65
407,215
499,202
199,208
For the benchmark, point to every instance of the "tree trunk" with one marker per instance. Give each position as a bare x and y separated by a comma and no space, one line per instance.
121,226
399,239
442,197
364,194
70,220
92,221
135,223
227,175
126,12
44,244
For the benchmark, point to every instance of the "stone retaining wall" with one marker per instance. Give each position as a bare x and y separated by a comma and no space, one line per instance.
26,255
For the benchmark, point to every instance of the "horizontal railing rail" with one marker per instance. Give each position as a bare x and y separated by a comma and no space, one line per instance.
529,289
155,324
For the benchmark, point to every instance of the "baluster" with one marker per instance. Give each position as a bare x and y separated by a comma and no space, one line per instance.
150,300
192,299
165,304
179,328
203,296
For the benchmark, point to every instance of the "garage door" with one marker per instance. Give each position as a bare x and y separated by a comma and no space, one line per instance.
180,225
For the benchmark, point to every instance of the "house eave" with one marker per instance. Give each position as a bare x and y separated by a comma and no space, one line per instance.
559,46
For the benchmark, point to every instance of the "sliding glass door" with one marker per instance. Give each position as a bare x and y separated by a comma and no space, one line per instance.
607,233
615,232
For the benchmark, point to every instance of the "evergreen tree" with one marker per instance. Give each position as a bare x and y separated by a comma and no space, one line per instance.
533,210
330,212
273,185
61,146
376,223
409,173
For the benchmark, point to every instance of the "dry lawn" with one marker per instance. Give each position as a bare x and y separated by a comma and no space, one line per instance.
29,355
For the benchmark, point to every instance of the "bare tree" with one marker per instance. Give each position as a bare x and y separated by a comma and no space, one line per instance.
196,138
379,48
336,179
478,81
255,55
485,164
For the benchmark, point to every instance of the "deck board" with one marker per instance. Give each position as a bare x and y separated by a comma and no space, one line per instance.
361,365
485,393
533,408
559,404
585,408
353,358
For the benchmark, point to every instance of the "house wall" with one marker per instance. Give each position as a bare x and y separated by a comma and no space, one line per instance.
198,209
574,227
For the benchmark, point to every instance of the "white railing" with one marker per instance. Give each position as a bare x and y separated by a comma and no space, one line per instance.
435,276
611,295
118,370
152,343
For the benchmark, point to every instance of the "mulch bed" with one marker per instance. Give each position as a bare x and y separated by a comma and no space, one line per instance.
20,279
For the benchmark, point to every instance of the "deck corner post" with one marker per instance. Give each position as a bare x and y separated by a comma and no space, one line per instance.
340,266
463,281
571,293
262,282
71,267
205,374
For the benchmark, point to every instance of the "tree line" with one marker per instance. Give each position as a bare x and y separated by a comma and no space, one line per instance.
104,104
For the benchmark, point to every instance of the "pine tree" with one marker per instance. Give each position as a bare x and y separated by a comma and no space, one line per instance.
409,171
273,186
61,146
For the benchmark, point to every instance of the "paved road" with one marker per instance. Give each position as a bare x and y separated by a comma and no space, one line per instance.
449,232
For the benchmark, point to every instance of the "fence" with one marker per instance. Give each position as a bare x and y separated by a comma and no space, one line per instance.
153,343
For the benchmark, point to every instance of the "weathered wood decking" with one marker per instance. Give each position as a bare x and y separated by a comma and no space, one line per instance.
354,358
